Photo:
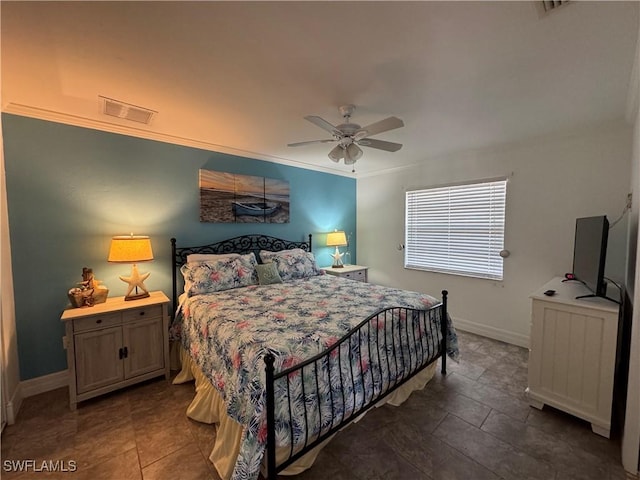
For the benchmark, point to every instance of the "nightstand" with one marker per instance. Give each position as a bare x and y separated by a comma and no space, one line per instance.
354,272
116,344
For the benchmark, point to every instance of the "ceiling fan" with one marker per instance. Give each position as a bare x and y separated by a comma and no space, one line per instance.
351,136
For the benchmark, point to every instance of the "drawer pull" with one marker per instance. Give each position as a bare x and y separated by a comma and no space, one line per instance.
141,313
126,352
120,353
99,321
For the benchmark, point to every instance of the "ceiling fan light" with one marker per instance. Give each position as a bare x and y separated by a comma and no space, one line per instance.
337,153
354,152
348,159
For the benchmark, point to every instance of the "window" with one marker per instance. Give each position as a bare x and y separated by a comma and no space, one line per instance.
457,229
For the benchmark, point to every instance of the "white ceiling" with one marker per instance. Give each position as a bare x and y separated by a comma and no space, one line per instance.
239,77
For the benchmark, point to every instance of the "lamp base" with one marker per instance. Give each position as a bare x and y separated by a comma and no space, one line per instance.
136,296
136,280
337,259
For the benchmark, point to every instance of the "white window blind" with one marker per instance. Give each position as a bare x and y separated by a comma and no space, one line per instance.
457,229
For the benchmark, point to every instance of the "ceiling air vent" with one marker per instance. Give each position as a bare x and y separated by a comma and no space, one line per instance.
547,6
126,111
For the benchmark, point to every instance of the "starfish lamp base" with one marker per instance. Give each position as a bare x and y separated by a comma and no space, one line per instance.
337,259
135,280
136,296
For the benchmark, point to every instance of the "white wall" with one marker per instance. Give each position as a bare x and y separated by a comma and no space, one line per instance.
552,181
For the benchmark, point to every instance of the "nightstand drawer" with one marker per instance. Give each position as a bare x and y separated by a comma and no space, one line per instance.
141,313
352,272
359,275
97,321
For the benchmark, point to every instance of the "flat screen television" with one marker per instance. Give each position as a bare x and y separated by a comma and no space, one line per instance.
590,252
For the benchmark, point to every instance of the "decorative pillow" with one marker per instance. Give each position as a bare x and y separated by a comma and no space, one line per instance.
205,257
268,274
292,264
220,274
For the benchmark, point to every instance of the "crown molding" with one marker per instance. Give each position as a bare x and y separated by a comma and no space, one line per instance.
78,121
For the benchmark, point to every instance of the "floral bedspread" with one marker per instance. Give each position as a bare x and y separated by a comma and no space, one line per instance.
228,334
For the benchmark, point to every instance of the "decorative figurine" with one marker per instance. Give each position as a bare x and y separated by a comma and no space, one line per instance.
89,291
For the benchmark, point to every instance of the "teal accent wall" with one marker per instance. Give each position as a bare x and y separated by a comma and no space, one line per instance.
71,189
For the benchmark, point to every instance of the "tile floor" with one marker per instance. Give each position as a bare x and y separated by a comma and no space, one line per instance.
472,424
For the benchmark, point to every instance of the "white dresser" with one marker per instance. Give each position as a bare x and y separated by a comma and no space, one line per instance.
573,352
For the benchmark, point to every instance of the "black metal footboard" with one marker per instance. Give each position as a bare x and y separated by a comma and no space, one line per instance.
364,366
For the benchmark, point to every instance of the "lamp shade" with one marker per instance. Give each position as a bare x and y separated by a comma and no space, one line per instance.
336,239
352,154
130,249
336,153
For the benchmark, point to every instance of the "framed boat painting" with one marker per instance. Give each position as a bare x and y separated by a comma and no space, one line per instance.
232,198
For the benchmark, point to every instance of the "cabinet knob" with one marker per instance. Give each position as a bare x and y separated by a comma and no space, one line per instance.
141,313
99,320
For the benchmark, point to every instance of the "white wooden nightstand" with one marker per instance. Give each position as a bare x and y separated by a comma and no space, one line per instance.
354,272
116,344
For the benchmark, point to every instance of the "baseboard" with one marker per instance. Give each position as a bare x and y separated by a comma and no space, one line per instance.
45,383
491,332
13,405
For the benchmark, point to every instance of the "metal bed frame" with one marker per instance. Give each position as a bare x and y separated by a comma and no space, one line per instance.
404,323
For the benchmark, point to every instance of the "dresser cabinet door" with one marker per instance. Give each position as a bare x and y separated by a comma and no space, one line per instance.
98,362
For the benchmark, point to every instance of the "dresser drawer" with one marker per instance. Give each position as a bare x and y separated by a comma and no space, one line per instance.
150,311
97,321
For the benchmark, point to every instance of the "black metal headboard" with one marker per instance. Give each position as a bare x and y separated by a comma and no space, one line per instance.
242,245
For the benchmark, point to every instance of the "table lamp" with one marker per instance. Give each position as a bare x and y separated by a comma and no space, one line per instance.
132,249
337,239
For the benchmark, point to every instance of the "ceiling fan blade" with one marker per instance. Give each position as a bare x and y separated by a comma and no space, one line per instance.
385,125
322,123
380,144
299,144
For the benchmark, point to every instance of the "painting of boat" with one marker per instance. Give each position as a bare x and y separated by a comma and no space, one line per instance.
254,208
233,198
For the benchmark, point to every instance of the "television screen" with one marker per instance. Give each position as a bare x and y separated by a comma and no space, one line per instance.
590,251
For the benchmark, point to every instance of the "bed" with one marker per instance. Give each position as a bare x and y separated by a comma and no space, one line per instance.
283,357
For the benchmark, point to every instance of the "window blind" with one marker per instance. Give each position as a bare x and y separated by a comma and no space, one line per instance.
457,229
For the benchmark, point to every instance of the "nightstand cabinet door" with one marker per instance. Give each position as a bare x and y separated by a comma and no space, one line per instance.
144,342
97,362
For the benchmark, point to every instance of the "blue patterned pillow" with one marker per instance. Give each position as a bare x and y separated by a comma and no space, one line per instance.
221,274
292,264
